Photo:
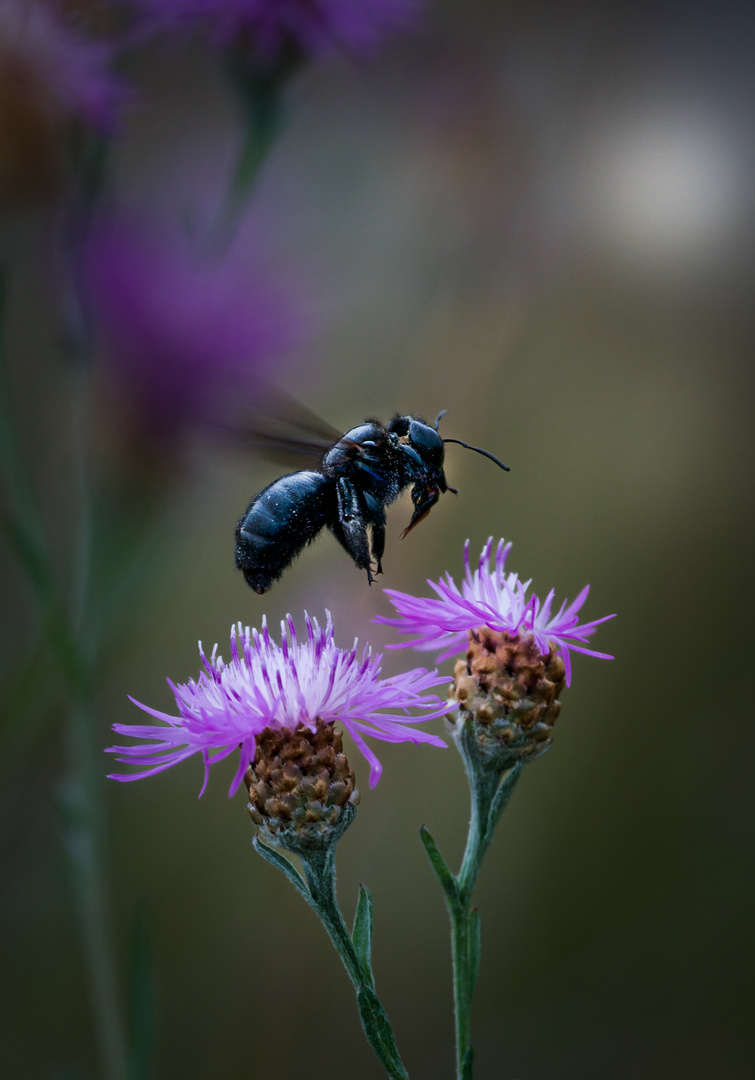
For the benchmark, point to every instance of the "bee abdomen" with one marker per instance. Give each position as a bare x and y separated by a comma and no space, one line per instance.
279,523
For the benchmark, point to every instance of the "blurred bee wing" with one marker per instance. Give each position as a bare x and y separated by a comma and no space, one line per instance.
279,428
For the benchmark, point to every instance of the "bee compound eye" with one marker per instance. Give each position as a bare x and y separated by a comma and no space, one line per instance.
427,442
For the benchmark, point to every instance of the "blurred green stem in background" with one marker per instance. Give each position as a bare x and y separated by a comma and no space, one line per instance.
81,790
260,95
355,949
70,624
81,794
490,791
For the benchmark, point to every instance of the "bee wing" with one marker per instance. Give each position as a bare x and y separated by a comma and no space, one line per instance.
281,429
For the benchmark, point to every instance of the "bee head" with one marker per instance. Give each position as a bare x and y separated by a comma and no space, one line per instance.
428,444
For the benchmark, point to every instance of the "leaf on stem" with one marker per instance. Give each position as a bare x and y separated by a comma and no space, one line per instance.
361,933
467,1065
284,866
502,796
377,1030
445,877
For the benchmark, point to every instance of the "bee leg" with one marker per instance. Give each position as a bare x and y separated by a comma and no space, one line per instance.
376,515
350,530
377,543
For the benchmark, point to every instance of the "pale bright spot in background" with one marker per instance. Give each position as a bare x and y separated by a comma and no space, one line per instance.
668,192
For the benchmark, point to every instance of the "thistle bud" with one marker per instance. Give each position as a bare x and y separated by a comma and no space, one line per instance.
301,787
509,689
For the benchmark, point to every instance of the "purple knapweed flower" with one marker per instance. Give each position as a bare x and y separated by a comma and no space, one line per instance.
270,27
280,687
494,599
185,340
55,69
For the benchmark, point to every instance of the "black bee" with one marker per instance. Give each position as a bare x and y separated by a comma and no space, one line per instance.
360,474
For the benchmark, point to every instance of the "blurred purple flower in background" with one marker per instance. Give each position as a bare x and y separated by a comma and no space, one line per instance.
186,340
266,685
44,60
495,599
270,27
50,76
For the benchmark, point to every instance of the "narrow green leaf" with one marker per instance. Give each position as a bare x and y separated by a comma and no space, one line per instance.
467,1065
503,794
284,866
379,1034
361,933
475,945
443,874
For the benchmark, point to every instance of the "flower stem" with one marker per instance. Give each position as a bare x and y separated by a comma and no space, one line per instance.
320,873
83,794
82,791
319,890
81,803
260,93
490,791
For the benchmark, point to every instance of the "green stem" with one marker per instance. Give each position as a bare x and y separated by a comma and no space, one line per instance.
82,810
81,614
490,791
465,975
22,522
84,791
69,632
83,788
318,887
320,873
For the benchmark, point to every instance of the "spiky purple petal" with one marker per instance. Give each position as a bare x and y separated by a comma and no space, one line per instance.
489,597
266,685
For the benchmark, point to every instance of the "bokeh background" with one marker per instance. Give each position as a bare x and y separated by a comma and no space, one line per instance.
540,217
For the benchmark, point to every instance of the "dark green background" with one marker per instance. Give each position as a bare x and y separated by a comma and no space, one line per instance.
462,232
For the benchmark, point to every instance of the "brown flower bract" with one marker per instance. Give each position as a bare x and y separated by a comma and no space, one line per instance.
511,690
300,780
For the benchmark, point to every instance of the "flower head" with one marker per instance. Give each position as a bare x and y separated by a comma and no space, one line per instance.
517,656
184,338
271,27
493,599
269,687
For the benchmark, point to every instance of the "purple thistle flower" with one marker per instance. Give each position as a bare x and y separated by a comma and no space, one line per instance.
46,62
495,599
185,340
270,686
272,26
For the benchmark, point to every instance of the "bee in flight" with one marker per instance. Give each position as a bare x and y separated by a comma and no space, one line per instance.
358,474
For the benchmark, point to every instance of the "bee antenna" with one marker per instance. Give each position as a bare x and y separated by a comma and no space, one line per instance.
438,419
477,450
